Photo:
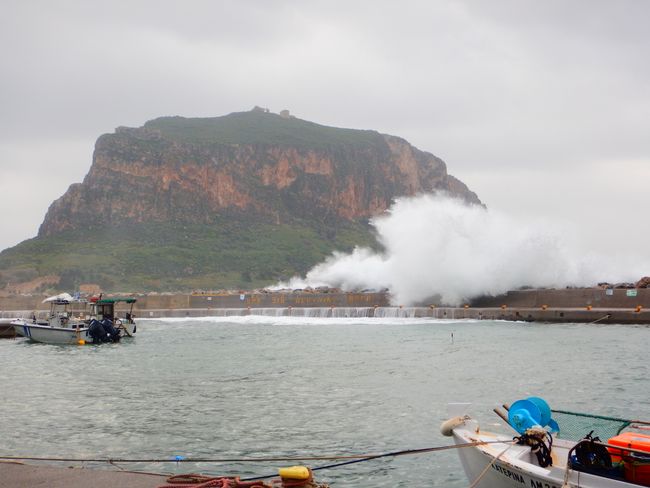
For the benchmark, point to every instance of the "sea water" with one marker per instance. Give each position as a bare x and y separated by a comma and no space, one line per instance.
250,387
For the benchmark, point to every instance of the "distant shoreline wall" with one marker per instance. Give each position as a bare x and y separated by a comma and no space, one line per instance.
570,305
222,300
554,298
570,298
547,315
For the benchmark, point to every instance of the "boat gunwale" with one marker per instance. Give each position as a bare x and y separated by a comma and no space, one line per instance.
51,327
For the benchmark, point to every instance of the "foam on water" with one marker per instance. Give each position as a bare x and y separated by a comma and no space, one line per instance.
391,318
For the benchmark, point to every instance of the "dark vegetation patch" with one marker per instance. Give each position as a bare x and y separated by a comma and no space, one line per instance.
262,128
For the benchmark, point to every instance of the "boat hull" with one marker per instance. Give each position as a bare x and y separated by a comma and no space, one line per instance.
499,474
502,466
51,335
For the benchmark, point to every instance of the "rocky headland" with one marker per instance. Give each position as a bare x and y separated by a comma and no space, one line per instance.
256,164
233,201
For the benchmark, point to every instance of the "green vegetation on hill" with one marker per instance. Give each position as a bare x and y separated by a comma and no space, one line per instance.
261,128
178,257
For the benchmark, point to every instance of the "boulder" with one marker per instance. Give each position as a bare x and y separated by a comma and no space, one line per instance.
643,282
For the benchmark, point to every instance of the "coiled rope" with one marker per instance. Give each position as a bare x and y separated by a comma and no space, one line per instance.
540,443
201,481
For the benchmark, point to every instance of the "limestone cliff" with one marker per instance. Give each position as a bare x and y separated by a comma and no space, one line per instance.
234,202
250,164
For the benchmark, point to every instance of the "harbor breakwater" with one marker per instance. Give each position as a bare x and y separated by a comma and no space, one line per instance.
547,305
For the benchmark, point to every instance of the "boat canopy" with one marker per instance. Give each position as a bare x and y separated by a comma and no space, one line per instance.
105,301
60,298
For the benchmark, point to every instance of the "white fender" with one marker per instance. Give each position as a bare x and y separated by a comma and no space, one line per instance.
448,426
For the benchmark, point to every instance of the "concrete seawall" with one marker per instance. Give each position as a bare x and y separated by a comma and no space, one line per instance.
570,298
571,305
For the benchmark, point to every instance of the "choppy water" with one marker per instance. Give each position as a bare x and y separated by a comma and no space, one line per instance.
260,386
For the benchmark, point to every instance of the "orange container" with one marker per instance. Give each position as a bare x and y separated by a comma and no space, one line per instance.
636,466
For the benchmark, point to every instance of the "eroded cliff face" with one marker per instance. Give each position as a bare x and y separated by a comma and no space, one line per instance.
145,175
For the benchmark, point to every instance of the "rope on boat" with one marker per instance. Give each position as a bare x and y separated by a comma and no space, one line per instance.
602,318
489,465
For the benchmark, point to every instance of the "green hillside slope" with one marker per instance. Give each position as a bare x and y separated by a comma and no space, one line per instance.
177,257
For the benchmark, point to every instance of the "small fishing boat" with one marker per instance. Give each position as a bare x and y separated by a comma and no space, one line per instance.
63,327
60,327
105,309
551,449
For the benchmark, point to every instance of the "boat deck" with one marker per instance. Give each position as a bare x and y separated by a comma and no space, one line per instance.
513,452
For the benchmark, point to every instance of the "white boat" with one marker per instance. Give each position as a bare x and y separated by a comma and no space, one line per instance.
52,335
62,327
549,454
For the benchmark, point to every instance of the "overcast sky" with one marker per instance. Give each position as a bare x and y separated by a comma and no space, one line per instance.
541,107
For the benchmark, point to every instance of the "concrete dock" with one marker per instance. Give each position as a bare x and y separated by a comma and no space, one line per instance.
19,475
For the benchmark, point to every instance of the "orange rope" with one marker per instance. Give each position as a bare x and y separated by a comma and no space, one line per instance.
192,480
200,481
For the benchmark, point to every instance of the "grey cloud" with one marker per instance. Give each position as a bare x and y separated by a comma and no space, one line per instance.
488,86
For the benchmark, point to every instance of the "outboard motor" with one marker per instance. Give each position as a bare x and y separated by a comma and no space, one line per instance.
103,331
96,332
112,334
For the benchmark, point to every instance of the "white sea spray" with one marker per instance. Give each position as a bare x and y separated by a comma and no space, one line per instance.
436,245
